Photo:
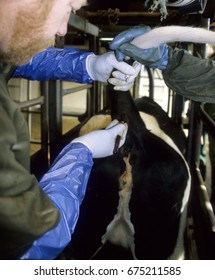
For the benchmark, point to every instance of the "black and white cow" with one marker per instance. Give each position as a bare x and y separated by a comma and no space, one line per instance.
136,201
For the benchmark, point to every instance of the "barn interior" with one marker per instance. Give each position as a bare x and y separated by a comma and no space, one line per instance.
55,110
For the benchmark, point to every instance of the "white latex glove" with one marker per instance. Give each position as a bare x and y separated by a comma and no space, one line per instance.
100,67
122,82
101,142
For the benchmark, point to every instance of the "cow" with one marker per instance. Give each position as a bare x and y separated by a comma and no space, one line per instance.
136,200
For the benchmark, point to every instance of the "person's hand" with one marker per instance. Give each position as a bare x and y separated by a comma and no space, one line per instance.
122,82
152,57
100,67
126,37
102,142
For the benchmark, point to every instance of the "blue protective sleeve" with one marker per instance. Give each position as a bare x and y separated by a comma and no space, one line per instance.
66,64
65,184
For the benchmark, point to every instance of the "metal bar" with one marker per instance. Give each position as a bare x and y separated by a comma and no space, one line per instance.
30,103
44,117
75,89
151,81
194,136
55,118
84,25
209,124
203,217
205,201
101,13
40,160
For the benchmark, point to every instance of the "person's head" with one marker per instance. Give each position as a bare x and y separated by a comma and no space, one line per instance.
29,26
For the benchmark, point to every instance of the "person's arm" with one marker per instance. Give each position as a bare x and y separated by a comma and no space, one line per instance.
186,74
68,64
65,184
190,76
123,46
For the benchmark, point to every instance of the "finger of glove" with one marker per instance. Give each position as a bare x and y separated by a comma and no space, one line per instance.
128,35
117,129
123,67
121,76
125,87
121,85
111,124
119,55
123,136
137,66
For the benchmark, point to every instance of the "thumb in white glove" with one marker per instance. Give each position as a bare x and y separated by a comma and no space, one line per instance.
100,67
102,142
122,82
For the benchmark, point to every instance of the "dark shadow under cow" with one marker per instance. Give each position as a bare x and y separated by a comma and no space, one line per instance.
146,219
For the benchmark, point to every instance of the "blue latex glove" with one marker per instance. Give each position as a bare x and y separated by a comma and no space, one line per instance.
126,37
152,57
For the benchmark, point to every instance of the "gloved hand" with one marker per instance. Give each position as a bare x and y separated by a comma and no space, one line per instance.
100,67
126,37
101,142
152,57
124,82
